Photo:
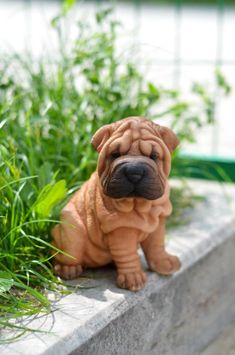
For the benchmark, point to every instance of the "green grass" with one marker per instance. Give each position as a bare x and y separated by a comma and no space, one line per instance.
48,113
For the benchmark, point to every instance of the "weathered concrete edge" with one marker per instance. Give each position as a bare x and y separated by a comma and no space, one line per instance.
190,250
190,262
181,318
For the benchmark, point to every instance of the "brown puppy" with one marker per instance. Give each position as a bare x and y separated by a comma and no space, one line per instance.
123,205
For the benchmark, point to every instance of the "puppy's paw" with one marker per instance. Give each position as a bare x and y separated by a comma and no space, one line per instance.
165,264
68,272
133,281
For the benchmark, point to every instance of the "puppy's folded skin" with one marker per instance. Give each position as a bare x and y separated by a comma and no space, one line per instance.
123,205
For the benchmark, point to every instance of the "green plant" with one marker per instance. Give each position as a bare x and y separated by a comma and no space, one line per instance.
48,113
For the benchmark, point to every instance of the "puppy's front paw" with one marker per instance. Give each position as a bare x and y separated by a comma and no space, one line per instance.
133,281
165,264
67,272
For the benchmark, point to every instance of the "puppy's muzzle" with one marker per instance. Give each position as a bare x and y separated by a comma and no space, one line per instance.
136,177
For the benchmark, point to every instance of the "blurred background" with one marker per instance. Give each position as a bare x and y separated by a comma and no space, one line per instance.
174,43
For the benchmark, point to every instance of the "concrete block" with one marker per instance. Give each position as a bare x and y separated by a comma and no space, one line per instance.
223,344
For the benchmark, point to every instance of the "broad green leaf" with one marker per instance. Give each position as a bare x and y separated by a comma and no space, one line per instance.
50,197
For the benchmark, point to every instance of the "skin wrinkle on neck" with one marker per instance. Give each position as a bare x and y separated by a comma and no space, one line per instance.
131,213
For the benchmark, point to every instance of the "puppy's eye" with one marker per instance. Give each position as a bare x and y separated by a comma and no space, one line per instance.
115,155
153,156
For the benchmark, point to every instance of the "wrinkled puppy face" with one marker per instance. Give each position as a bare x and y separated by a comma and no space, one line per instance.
133,175
134,159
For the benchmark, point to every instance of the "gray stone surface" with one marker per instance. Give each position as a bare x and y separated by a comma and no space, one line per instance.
178,315
223,344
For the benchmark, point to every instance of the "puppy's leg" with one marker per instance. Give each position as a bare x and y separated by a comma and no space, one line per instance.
157,257
69,236
123,244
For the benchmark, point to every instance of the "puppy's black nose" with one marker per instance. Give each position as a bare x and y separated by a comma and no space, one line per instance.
134,173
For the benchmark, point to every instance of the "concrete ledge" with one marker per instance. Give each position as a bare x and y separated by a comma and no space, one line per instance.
223,344
174,315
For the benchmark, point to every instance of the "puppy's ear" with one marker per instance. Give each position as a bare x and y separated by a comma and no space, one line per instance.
101,136
169,138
